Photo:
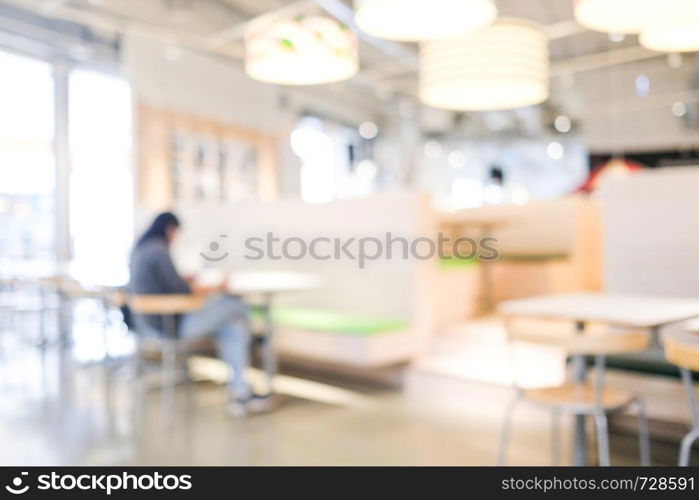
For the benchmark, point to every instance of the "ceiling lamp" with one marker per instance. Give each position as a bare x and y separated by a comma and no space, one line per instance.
416,20
503,66
306,50
664,25
616,16
675,28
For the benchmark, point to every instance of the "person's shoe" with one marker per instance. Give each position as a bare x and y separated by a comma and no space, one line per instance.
240,407
262,404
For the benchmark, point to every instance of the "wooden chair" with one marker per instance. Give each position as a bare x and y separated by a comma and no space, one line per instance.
589,398
167,307
682,349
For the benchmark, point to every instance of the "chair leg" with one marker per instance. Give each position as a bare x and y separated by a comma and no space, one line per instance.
686,447
506,429
555,438
168,381
689,439
602,438
643,433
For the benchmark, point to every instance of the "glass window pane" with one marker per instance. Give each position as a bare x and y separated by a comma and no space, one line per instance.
101,193
27,170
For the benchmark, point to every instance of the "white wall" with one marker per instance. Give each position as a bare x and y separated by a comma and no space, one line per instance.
651,232
219,89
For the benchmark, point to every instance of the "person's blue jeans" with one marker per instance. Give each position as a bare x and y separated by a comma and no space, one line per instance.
225,318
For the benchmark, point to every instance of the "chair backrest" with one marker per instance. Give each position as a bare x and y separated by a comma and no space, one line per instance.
165,304
682,349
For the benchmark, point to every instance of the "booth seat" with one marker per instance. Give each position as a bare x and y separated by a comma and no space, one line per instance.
340,337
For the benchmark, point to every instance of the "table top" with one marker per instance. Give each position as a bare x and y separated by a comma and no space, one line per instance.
692,326
248,282
256,282
636,310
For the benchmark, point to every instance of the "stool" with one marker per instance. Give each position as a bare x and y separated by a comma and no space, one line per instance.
576,398
169,343
682,349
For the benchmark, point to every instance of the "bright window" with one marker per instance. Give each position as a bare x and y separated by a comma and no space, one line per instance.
27,169
101,191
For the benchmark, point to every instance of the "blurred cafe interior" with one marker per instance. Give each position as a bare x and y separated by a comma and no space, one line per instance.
326,232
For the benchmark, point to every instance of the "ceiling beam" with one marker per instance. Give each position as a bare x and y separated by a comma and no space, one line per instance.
50,6
563,29
600,60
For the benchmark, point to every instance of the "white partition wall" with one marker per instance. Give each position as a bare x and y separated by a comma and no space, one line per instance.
384,287
390,288
651,232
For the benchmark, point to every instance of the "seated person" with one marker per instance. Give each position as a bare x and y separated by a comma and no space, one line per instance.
223,317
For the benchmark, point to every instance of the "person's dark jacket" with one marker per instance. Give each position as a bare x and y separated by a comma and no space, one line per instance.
153,273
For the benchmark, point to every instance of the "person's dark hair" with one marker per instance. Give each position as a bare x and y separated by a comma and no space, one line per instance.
158,228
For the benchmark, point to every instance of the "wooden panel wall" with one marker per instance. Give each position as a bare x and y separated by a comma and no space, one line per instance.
154,129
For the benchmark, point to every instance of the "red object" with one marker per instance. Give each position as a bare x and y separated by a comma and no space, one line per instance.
616,167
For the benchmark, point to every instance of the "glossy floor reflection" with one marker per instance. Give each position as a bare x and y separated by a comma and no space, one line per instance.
69,405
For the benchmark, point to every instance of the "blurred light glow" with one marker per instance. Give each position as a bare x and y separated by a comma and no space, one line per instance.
617,37
519,195
616,16
642,86
562,124
317,183
308,140
416,20
366,170
466,193
493,194
433,149
457,159
555,150
680,35
306,50
368,130
316,150
663,25
101,181
674,27
679,109
503,66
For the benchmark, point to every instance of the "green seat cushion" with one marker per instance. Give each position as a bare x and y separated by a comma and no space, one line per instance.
452,262
323,320
533,258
